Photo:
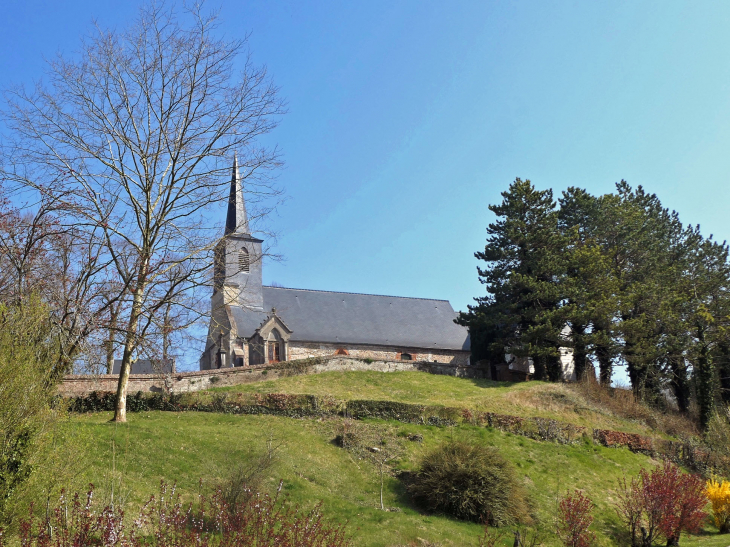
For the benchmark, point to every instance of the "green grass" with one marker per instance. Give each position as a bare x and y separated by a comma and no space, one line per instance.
188,447
541,399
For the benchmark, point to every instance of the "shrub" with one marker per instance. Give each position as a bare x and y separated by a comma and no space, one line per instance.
27,387
717,441
679,496
469,482
349,435
491,537
630,506
245,479
718,492
574,518
664,502
527,537
258,520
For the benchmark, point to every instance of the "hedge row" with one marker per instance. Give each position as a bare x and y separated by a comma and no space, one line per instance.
292,406
303,406
100,401
403,412
540,429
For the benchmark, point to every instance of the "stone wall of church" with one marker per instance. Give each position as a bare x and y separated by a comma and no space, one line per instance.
303,350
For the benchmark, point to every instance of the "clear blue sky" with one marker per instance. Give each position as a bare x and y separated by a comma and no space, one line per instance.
406,119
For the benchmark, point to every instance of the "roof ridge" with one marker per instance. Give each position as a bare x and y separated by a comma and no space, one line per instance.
358,293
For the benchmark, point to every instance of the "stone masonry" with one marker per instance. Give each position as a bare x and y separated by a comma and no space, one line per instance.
181,382
303,350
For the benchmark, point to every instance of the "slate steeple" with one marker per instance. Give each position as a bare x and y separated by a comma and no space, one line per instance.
238,254
236,219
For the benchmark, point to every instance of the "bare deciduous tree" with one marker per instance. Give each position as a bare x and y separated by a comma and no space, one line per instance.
135,134
65,269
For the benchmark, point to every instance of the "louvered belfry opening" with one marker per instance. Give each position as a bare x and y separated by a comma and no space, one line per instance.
243,261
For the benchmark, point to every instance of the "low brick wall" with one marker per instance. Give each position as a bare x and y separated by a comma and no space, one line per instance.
181,382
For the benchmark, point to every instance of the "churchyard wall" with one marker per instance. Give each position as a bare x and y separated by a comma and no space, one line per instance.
181,382
305,350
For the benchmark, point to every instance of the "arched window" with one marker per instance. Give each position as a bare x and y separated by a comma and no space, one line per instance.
406,357
243,261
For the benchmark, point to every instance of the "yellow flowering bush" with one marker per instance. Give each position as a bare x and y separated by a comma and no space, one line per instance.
718,492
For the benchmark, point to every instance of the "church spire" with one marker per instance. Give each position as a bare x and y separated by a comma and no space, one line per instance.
236,220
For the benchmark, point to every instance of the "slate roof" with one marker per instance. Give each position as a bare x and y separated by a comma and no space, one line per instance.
342,318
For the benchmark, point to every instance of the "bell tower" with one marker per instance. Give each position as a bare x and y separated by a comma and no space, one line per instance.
237,280
238,255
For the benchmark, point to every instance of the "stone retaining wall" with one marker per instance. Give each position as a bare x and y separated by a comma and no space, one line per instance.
181,382
303,350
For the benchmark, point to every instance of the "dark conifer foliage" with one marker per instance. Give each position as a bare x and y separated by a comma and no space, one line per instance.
590,288
523,271
616,278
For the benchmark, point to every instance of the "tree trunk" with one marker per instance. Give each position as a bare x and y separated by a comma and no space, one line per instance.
120,411
382,507
603,354
166,330
722,362
538,361
637,373
680,383
580,356
646,539
554,367
705,377
605,365
109,344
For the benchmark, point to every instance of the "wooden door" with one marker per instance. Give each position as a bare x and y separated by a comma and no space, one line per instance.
274,355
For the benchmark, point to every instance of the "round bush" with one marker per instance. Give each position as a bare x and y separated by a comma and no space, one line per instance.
470,482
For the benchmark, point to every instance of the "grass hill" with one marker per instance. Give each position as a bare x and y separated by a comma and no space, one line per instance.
587,406
185,447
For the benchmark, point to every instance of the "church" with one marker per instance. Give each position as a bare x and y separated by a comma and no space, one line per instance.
254,324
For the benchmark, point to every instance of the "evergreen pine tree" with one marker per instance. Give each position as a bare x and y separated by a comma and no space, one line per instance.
706,279
523,273
642,239
590,287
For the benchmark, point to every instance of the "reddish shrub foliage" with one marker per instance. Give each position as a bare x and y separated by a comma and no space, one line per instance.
164,521
661,503
680,500
574,519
